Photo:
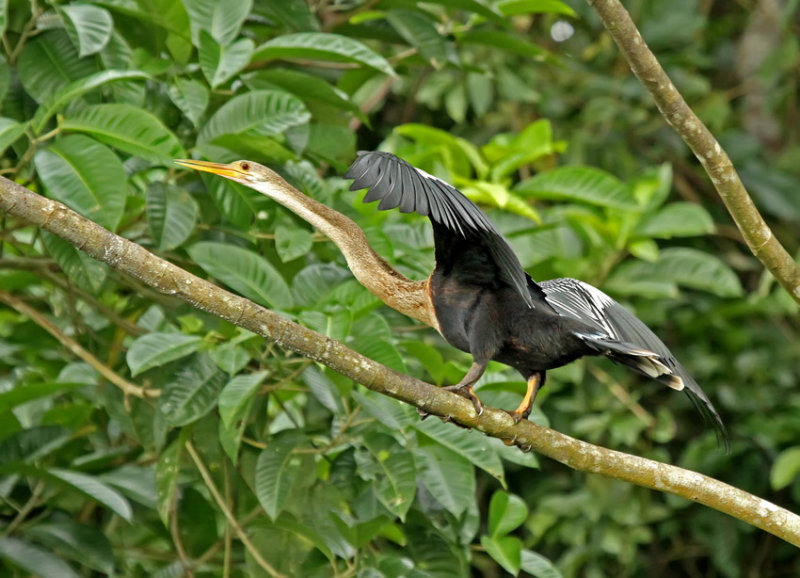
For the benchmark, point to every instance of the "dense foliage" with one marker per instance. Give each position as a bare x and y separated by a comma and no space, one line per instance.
523,104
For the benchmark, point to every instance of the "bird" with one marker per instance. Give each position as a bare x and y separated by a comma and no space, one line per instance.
478,296
488,306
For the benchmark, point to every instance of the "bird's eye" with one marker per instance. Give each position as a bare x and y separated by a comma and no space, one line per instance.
245,166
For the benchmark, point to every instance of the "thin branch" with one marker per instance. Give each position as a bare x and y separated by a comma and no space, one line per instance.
212,487
134,260
126,386
763,244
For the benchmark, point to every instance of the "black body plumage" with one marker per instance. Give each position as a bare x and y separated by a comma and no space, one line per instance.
488,306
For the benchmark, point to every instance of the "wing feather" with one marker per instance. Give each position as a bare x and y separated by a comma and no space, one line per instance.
624,338
398,184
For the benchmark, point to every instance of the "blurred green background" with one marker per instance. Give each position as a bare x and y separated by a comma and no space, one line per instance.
527,107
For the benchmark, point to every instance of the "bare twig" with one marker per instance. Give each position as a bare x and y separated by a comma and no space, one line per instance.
126,386
705,147
212,487
134,260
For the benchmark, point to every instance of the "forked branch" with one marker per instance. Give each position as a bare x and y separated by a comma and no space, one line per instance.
757,234
133,260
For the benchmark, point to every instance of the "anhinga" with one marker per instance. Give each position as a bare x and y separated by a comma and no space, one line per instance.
478,296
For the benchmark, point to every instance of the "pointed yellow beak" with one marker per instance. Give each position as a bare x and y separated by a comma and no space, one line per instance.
231,170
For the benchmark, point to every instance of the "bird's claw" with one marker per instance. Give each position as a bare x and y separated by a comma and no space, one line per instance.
512,441
469,394
519,414
423,415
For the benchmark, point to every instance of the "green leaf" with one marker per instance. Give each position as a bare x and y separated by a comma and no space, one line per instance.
420,32
470,445
171,215
78,266
514,7
34,560
506,513
579,184
303,85
506,551
221,63
156,349
86,545
276,471
244,271
684,266
266,112
33,444
236,396
191,96
504,40
396,482
220,18
677,220
50,62
3,16
129,129
192,393
86,176
449,477
785,468
68,94
89,27
291,243
322,46
167,470
323,389
23,394
10,131
95,490
476,6
644,249
538,566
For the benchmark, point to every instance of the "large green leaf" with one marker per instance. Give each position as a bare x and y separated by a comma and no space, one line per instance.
10,131
276,471
89,27
506,551
127,128
94,489
514,7
86,176
469,445
449,477
50,62
23,394
302,84
193,392
167,470
155,349
221,63
396,479
420,32
235,398
191,96
85,544
538,566
222,19
72,91
86,272
681,266
171,215
322,46
677,220
579,184
785,469
506,513
266,112
244,271
35,560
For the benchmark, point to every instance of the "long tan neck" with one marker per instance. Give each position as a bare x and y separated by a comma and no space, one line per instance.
409,297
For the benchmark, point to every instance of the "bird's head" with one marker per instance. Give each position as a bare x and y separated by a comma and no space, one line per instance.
245,172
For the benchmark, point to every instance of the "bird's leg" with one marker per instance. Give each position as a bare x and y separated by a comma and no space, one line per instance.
535,383
464,387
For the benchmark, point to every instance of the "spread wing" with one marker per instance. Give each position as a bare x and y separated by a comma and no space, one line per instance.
399,185
622,337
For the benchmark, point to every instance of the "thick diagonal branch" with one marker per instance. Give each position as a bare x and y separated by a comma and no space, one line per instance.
757,234
133,260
